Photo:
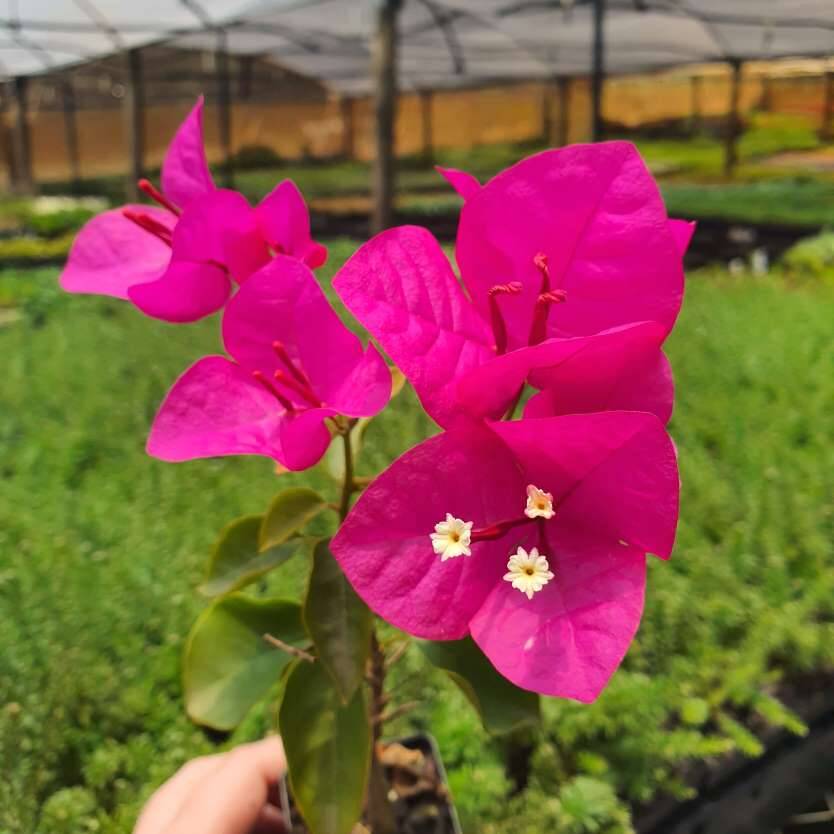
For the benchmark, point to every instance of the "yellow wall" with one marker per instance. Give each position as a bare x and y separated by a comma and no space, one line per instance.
459,118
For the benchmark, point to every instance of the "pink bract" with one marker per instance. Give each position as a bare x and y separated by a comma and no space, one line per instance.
400,285
293,365
614,481
215,242
596,214
185,171
111,253
181,262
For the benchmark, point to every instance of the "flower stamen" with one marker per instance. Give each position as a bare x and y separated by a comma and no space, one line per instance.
499,327
149,224
283,355
540,262
303,391
147,187
265,383
538,330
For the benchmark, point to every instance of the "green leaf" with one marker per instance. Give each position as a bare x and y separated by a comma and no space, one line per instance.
695,711
328,747
237,561
334,457
228,666
501,705
743,739
338,621
289,511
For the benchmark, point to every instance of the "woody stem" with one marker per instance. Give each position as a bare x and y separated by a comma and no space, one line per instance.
380,814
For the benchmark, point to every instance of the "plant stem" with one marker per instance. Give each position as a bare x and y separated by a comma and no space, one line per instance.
510,413
379,811
290,650
349,485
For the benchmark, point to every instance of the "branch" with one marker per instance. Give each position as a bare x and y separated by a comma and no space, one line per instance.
397,653
398,712
291,650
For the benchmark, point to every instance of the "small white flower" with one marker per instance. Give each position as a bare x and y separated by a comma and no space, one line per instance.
528,572
452,537
539,503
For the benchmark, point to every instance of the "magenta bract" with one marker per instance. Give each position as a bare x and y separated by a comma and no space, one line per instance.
293,364
614,482
400,285
181,262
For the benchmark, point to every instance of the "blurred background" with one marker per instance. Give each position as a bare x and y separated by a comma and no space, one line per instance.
722,717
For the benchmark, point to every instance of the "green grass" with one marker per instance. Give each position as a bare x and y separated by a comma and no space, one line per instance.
799,202
101,549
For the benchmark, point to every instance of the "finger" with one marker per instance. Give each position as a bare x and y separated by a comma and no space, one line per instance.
270,821
230,800
165,804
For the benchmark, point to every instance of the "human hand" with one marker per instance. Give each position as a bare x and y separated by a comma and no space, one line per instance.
230,793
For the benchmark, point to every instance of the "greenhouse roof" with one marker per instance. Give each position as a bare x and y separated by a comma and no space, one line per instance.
443,43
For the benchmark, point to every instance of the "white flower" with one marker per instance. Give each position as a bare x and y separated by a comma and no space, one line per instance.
539,503
452,537
528,572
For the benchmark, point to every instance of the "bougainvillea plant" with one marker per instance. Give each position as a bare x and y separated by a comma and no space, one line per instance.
511,547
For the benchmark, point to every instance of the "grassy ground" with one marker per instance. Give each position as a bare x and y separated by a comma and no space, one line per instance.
101,549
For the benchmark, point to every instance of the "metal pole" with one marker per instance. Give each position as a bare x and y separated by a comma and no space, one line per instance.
385,106
546,129
695,104
133,106
828,107
426,125
346,111
224,107
767,93
563,132
246,65
71,131
23,180
733,126
598,71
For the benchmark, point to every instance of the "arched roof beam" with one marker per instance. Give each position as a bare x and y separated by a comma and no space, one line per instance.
444,19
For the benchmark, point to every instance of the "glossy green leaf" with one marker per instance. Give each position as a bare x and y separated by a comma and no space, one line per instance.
288,513
334,458
236,560
228,666
328,747
338,621
501,705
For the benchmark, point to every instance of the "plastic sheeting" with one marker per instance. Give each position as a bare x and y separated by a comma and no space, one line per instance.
443,43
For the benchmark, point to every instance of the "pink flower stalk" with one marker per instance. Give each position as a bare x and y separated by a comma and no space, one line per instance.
179,262
529,535
457,356
293,365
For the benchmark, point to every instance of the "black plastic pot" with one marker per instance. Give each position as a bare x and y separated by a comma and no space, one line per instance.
434,812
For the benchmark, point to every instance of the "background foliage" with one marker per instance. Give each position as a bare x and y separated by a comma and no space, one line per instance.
102,550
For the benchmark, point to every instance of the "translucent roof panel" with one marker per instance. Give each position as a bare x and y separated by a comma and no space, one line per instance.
442,42
43,35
